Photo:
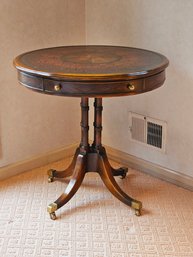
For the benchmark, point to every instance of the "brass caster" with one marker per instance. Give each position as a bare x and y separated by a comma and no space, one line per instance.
137,206
50,175
50,180
137,212
53,216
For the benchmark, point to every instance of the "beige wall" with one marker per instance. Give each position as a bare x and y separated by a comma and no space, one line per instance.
164,26
32,123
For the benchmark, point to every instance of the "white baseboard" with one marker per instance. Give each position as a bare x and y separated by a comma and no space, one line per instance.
37,161
155,170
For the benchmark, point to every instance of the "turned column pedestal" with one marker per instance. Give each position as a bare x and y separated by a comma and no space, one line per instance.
90,158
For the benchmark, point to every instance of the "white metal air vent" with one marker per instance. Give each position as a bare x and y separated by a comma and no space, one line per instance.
146,130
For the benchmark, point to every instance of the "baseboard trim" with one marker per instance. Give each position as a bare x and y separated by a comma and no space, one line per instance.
37,161
155,170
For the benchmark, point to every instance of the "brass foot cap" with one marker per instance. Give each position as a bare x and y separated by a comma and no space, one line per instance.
52,207
137,205
50,172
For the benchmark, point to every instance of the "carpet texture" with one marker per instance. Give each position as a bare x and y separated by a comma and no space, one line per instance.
94,223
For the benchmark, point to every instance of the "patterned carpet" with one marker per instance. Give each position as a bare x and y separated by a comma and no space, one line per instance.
94,223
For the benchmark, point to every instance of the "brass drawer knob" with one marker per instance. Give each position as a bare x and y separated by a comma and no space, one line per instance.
131,87
57,87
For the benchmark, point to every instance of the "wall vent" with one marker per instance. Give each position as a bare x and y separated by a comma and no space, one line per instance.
148,131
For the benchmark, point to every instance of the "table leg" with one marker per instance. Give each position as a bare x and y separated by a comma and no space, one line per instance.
78,166
105,170
73,186
122,171
52,174
98,108
107,176
91,159
97,137
83,144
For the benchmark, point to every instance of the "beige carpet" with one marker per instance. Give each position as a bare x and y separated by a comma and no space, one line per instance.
94,223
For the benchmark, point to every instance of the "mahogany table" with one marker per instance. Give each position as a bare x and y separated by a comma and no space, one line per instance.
97,72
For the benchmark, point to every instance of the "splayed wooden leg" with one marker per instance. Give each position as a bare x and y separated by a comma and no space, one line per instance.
73,186
65,173
122,171
108,179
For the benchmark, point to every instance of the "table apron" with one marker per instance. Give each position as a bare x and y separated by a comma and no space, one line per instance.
91,89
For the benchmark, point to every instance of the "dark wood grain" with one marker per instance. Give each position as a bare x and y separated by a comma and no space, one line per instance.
92,89
91,62
91,70
91,158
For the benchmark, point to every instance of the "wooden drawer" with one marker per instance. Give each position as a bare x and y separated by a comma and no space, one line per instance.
97,88
92,89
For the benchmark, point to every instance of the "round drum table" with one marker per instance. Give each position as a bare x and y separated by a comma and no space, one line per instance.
91,71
